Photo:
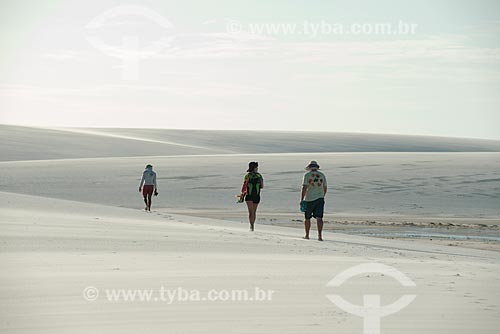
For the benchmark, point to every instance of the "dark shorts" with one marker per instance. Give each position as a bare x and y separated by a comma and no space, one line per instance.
315,208
252,198
147,190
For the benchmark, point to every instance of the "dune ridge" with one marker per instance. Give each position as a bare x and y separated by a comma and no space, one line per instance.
30,143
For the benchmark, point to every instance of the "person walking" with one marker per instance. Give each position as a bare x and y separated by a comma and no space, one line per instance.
148,186
312,197
252,185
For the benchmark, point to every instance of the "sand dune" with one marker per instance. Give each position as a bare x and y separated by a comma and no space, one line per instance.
293,142
51,250
71,219
26,143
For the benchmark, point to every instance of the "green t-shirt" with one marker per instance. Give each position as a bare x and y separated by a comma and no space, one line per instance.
315,181
253,183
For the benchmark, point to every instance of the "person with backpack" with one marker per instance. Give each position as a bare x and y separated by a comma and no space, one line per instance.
150,187
252,185
312,197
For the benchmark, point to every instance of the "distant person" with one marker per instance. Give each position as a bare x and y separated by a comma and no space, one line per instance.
312,198
150,187
252,185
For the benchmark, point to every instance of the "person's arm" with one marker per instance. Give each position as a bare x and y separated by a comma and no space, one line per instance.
303,193
261,182
154,182
142,181
325,185
304,188
244,188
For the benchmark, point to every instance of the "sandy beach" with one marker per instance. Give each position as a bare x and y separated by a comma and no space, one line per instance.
74,233
53,249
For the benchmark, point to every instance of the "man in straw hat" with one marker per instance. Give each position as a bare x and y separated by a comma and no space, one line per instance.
312,198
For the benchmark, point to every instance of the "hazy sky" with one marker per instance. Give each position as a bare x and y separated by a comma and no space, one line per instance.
284,65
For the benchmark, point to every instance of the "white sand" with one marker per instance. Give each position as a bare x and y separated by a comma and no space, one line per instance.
51,249
369,185
28,143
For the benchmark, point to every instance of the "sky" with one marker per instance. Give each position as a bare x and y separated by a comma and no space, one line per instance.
403,67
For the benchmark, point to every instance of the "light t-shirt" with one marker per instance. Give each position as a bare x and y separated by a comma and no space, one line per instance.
148,178
315,181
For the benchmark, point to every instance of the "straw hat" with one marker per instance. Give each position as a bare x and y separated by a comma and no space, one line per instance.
312,165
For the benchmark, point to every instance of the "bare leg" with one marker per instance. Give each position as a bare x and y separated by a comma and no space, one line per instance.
255,205
251,214
320,228
149,202
307,225
146,202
